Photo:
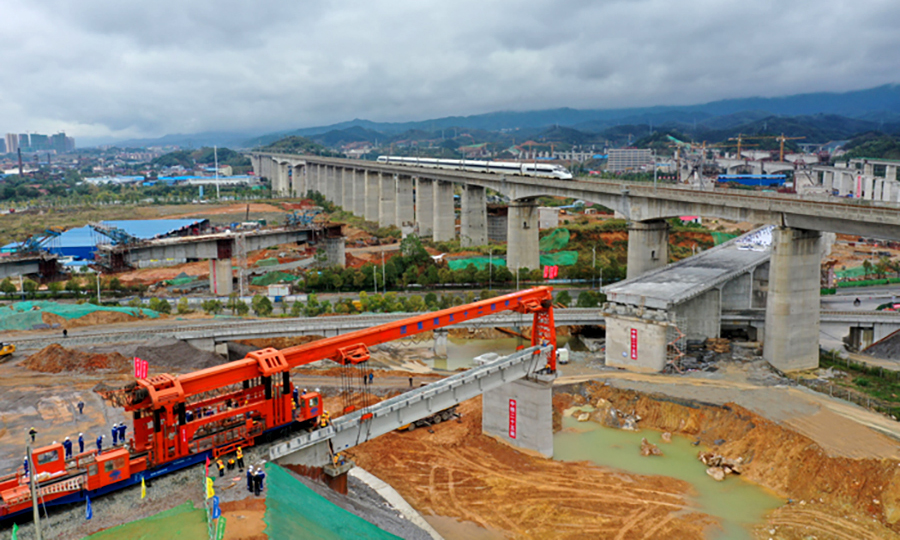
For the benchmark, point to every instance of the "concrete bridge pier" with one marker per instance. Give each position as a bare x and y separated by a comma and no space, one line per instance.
473,217
441,337
387,200
424,207
522,236
444,212
298,181
220,277
284,180
520,414
792,305
405,214
648,246
335,251
345,195
358,183
373,195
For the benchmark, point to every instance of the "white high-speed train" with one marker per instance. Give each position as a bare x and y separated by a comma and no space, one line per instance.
545,170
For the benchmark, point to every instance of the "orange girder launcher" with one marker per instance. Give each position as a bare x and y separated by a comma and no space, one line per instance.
219,408
181,420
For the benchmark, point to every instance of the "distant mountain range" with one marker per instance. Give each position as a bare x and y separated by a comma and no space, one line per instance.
819,117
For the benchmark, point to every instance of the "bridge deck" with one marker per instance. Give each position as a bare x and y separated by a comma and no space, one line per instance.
678,282
348,431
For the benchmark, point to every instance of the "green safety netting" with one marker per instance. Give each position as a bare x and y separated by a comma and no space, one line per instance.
295,511
180,280
557,239
855,272
721,237
479,262
560,258
271,261
27,315
183,521
273,277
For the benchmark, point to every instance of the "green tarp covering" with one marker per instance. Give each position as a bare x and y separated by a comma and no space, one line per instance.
855,272
297,512
183,521
560,258
273,277
556,239
479,262
26,315
271,261
721,237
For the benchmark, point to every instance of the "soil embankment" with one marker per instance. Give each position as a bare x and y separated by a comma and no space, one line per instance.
454,470
831,496
57,359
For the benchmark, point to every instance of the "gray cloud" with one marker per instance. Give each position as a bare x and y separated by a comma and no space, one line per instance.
122,69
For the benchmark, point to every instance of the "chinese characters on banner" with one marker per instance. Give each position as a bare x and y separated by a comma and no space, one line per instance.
141,368
512,419
634,343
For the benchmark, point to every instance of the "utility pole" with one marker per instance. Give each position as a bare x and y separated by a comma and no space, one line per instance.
99,303
34,502
383,274
490,269
216,157
594,267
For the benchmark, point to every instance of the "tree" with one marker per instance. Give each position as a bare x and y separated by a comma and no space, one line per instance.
867,268
74,285
7,286
114,284
413,252
415,303
261,305
212,307
160,305
183,308
242,308
564,298
55,287
30,287
431,300
587,299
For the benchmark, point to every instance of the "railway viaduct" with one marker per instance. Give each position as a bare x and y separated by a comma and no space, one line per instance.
423,198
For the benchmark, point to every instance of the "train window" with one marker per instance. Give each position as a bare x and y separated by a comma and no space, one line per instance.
109,466
47,457
120,462
92,470
314,402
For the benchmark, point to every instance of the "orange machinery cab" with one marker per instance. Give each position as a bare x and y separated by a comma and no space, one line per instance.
310,408
49,461
110,467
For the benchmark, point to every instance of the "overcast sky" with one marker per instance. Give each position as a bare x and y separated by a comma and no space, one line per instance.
116,68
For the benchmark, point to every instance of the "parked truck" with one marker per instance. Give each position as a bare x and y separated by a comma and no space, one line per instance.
436,418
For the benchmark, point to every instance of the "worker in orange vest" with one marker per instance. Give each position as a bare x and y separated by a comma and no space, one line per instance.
221,467
240,458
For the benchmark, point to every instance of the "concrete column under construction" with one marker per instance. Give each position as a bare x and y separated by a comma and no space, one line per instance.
648,246
444,213
522,236
473,217
335,252
373,195
387,200
283,180
425,206
220,277
405,213
520,413
792,304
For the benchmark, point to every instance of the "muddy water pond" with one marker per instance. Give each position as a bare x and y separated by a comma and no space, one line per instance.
736,503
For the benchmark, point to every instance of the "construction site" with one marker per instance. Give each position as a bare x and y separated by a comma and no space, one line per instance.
720,445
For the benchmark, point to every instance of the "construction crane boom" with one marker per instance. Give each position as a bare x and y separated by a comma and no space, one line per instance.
351,348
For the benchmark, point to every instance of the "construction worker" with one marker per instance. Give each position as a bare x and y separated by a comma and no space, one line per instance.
240,458
231,464
100,444
250,479
296,393
261,475
80,407
323,420
81,443
115,434
67,444
27,470
32,432
257,482
371,378
221,467
122,429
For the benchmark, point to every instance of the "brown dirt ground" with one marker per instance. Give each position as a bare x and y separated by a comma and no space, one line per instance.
245,519
56,359
91,319
836,497
241,208
459,472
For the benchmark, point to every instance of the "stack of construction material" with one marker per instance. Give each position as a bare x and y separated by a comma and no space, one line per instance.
718,345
